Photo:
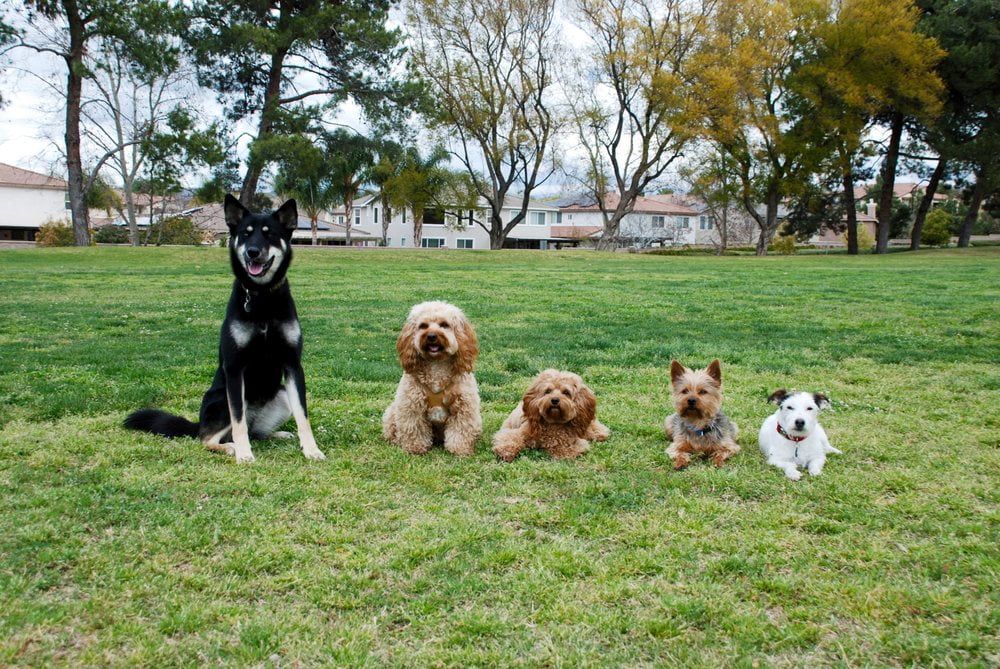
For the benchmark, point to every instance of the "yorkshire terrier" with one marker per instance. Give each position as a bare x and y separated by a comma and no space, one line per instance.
699,425
558,414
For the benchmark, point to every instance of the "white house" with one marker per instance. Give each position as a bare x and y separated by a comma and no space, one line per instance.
653,221
446,230
29,200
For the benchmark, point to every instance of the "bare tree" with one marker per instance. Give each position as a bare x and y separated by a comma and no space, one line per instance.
123,109
630,101
488,65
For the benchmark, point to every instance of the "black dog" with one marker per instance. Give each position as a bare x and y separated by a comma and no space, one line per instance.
260,381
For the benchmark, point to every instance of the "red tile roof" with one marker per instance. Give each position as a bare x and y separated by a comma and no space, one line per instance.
22,178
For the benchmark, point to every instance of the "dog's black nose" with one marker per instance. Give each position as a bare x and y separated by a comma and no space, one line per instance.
692,401
431,337
253,252
555,401
799,423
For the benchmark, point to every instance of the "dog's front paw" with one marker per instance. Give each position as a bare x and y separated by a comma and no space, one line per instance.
505,454
599,432
281,434
245,457
415,449
313,454
793,474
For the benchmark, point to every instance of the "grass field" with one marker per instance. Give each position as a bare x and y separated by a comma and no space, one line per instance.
119,548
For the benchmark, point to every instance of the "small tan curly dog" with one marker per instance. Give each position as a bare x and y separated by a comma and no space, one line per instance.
558,414
437,400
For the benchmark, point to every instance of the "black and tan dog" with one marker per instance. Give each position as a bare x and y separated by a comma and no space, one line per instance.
259,382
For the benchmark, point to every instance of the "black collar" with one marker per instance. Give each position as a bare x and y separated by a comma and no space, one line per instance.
701,432
267,291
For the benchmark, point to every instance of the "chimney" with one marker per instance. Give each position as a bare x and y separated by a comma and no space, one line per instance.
871,208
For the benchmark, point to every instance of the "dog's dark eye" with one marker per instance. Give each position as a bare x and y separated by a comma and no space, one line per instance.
684,392
566,393
810,408
702,392
790,408
423,326
443,324
548,390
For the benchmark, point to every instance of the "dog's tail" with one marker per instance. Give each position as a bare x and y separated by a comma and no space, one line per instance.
830,449
161,423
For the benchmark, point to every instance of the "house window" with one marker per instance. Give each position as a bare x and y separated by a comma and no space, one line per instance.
403,211
681,222
433,217
464,243
569,217
659,221
375,214
357,216
340,220
432,242
67,202
558,217
536,218
402,242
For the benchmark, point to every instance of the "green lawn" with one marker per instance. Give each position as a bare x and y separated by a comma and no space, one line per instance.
119,548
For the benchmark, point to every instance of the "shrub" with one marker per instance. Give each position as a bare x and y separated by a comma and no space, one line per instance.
865,239
783,244
54,233
937,228
174,230
111,234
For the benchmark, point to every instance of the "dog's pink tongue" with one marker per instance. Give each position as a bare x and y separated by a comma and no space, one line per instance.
254,268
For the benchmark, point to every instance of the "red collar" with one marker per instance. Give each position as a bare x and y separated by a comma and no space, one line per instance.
788,436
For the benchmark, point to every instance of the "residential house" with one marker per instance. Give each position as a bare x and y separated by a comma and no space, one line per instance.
652,222
211,219
30,199
454,230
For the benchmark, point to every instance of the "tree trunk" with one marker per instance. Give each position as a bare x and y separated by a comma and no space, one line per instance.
497,236
314,227
925,204
418,228
850,210
74,164
770,223
386,220
349,219
271,95
888,181
978,193
723,224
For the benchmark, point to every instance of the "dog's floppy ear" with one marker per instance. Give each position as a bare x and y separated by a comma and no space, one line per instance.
409,357
234,212
778,396
676,371
822,401
288,215
715,370
529,407
468,345
586,410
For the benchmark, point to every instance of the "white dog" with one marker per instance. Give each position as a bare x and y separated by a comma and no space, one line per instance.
792,437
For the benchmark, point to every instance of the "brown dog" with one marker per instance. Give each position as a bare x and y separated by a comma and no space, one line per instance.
557,414
699,425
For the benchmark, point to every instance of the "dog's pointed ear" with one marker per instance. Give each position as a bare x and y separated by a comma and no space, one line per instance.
715,370
468,346
288,215
409,357
822,401
586,410
676,371
234,212
778,396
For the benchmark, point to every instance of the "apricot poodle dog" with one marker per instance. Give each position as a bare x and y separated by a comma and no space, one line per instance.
558,414
437,400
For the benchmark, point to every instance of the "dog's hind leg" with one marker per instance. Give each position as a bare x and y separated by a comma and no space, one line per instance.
295,387
597,431
724,451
